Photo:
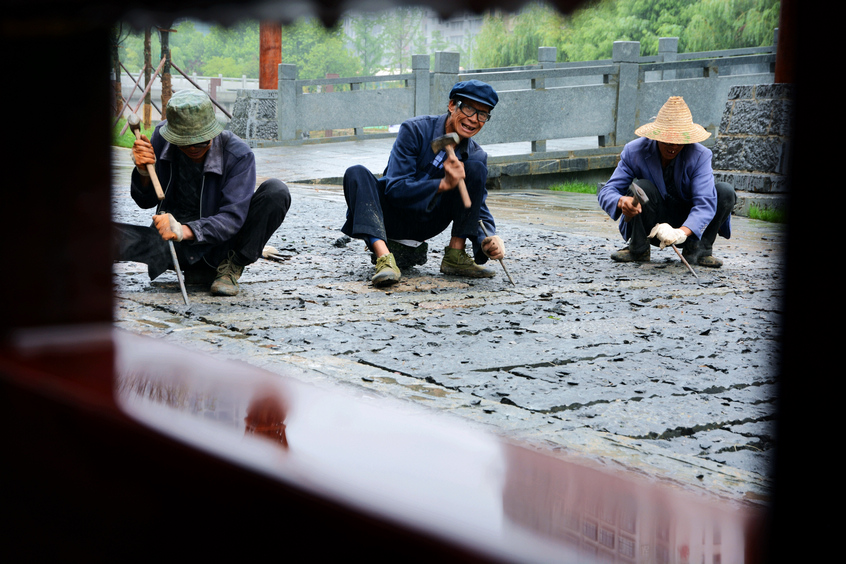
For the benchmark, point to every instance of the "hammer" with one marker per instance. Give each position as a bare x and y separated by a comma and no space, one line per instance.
446,143
135,126
641,198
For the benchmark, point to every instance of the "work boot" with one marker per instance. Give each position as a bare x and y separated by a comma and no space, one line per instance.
710,261
458,262
626,255
226,281
405,255
387,272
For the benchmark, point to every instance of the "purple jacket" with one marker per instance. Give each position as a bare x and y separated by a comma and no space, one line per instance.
693,175
229,180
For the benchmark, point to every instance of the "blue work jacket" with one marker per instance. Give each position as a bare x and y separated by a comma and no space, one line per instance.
229,180
412,177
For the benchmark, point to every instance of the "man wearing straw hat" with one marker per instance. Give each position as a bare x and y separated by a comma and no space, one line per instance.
217,219
686,208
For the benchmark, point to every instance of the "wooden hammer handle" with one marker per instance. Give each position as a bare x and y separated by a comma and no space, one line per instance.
462,187
151,168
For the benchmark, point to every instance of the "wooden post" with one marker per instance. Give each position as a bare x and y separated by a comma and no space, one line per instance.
167,88
270,54
147,70
785,66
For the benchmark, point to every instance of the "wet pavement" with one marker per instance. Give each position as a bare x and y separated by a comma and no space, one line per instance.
633,365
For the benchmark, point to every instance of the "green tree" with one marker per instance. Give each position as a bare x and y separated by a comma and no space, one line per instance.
589,33
232,51
317,50
368,42
187,47
714,24
506,40
403,35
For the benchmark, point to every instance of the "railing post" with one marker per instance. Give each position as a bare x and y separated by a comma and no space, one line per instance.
286,103
546,56
625,54
668,52
444,78
420,68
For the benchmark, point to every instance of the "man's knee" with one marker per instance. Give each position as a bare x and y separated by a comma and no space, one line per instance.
275,193
355,174
726,196
475,176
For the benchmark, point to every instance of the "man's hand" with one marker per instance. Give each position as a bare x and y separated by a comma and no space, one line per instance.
493,247
629,206
453,173
168,227
667,235
143,154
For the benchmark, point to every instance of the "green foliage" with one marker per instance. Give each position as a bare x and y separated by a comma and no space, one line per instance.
229,51
507,40
316,50
767,214
577,187
367,43
232,51
128,138
403,37
589,33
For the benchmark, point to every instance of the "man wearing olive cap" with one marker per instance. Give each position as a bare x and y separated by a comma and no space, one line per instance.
218,220
416,198
686,208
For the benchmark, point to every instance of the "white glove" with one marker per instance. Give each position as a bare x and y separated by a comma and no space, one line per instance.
272,253
493,247
667,235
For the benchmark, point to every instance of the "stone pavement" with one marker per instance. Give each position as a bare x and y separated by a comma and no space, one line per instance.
631,365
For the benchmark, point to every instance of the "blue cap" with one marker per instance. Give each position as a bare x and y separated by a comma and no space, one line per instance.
475,90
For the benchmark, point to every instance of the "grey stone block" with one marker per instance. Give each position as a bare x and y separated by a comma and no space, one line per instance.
750,118
773,91
782,118
545,167
753,182
740,92
515,169
728,154
254,115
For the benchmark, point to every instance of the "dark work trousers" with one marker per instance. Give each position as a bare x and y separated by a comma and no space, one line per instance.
268,207
675,212
370,214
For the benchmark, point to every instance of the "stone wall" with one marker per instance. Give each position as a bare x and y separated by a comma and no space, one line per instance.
254,115
751,150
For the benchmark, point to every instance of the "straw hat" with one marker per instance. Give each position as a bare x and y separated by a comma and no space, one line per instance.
674,124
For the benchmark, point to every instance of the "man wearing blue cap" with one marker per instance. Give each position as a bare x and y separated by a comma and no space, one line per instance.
417,196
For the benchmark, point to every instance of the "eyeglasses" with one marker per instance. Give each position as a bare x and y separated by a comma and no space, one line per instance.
470,111
202,145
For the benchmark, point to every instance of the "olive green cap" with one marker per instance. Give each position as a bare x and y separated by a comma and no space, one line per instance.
190,119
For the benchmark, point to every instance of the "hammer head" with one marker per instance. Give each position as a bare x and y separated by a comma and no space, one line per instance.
638,194
444,141
134,122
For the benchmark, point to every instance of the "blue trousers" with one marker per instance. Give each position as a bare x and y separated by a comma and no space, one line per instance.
371,215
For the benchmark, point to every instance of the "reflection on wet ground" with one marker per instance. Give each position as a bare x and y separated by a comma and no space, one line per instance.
395,461
634,363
